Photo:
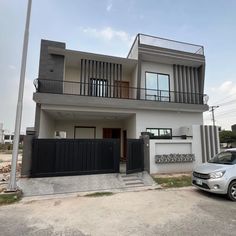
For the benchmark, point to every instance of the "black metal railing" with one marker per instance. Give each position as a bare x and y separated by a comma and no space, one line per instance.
106,90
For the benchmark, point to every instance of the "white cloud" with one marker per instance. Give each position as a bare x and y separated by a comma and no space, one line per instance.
228,87
109,5
223,96
109,34
12,67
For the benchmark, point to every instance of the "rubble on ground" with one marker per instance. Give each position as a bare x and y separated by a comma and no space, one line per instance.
5,169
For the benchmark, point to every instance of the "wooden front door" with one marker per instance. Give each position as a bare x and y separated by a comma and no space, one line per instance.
111,133
122,89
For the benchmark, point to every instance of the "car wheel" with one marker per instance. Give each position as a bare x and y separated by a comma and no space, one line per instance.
232,191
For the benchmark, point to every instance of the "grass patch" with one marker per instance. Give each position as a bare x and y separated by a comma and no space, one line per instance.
174,182
99,194
9,198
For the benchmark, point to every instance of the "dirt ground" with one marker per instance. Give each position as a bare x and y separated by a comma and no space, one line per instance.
156,212
5,168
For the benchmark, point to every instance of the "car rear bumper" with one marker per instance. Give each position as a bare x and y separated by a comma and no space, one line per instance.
211,185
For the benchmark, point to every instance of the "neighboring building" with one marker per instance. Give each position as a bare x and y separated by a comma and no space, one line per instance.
8,137
1,133
158,88
233,127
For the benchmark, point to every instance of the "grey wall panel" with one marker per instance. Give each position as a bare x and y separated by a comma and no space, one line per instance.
180,83
188,84
81,74
192,84
110,72
51,67
201,75
209,142
216,139
202,131
176,86
212,141
184,84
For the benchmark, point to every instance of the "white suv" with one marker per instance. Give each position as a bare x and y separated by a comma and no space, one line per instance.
218,175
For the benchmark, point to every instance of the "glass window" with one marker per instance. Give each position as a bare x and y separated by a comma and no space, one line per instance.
164,132
153,131
60,134
157,87
163,81
151,86
98,87
226,157
160,133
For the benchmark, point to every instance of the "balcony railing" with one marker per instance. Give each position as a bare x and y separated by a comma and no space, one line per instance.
103,89
168,44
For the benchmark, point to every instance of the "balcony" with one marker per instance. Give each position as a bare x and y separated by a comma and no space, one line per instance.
102,89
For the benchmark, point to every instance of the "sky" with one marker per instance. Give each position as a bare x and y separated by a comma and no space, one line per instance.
109,27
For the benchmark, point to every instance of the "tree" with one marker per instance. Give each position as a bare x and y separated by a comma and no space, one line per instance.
227,136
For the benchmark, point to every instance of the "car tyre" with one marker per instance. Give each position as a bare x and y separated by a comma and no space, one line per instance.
232,191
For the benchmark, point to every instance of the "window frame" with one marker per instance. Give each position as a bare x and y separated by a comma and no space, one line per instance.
158,97
85,127
160,136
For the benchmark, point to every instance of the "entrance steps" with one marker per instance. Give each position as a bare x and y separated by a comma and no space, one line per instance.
140,179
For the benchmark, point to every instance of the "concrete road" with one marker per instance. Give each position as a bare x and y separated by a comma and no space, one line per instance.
155,212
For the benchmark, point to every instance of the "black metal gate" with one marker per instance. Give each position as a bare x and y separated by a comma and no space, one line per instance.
57,157
135,156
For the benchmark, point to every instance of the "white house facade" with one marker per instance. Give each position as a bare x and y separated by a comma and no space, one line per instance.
158,88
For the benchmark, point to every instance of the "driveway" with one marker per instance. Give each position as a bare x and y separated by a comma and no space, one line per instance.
154,212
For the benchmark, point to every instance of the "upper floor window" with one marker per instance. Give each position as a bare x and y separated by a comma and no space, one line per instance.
98,87
157,86
160,133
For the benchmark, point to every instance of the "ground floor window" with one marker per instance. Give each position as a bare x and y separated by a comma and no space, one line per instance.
160,133
84,132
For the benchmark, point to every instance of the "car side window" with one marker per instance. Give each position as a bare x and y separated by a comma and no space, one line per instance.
234,157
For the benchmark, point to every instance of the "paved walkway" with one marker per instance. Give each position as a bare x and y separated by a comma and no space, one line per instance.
82,183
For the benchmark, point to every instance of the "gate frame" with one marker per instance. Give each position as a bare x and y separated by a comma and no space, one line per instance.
130,158
35,171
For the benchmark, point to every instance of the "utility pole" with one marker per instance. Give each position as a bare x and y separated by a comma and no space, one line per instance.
212,109
12,182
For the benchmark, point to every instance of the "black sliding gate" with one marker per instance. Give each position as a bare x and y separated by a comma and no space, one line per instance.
135,156
57,157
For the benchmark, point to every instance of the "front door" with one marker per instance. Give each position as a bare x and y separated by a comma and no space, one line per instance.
122,89
135,156
111,133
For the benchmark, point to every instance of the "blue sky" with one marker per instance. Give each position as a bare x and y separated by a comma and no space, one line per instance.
108,27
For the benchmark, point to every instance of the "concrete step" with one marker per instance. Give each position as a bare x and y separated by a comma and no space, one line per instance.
130,175
134,183
130,179
140,179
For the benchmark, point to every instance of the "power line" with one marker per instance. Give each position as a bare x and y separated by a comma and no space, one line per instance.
212,109
226,113
228,103
232,95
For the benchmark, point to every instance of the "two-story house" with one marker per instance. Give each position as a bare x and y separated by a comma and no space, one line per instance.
158,87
